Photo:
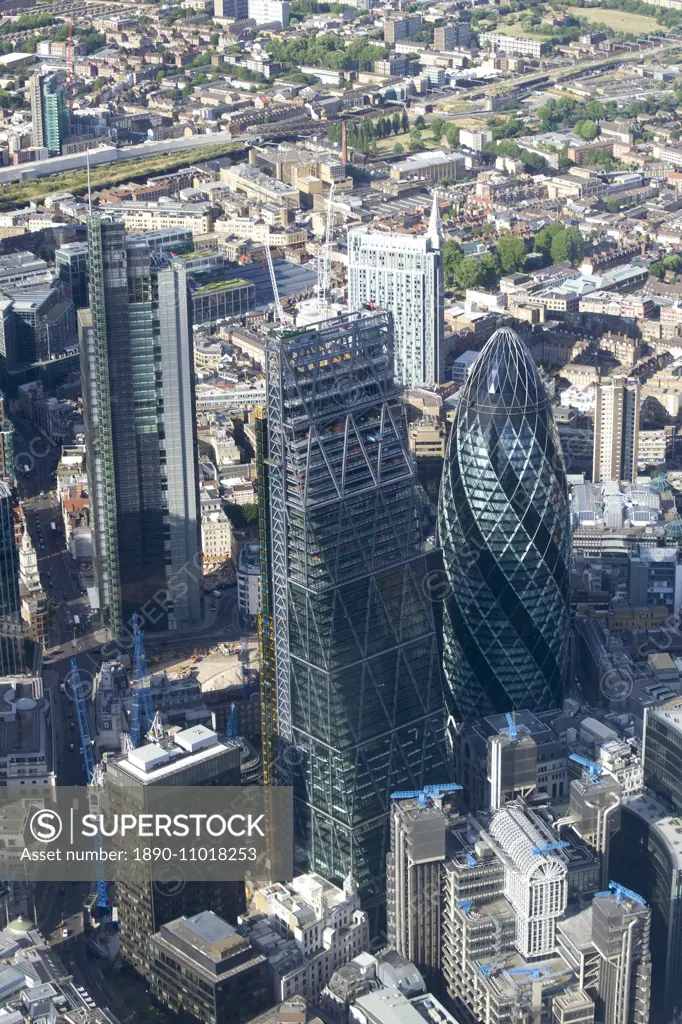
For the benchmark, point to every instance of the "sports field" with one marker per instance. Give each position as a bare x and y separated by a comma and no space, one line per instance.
620,21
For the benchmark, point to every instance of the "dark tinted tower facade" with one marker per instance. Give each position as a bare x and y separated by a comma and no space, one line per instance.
11,642
505,532
138,389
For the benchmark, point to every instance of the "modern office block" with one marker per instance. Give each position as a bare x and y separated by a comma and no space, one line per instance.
403,274
620,932
414,866
505,533
358,693
201,968
662,753
145,906
71,264
646,856
36,326
237,9
616,430
655,579
138,390
49,113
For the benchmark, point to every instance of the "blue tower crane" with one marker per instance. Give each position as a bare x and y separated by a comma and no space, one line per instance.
231,731
513,731
422,795
540,851
139,660
142,704
487,969
88,757
593,769
621,893
83,722
538,971
465,906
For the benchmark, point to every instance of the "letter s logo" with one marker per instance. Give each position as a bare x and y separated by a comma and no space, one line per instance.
46,826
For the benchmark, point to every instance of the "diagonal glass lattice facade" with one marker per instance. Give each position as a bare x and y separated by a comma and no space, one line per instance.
505,532
358,681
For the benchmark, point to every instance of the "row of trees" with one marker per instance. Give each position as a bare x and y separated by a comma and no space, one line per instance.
556,243
363,133
559,244
327,51
672,262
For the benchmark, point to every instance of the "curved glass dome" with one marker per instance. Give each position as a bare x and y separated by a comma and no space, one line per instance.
505,532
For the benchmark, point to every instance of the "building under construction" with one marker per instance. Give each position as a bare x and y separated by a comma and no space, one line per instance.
351,672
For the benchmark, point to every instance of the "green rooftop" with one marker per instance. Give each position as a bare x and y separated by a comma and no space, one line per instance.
198,254
221,286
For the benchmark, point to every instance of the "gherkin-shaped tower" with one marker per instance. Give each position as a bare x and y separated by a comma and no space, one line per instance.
505,532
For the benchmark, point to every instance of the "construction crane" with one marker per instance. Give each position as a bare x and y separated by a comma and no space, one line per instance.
428,792
279,312
540,851
93,773
324,257
156,728
621,893
465,906
231,731
513,731
487,969
69,75
593,769
142,705
536,972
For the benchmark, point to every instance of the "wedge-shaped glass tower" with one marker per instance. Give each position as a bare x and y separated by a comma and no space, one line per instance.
505,532
358,682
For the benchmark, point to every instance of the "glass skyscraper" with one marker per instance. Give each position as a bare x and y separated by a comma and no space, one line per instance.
358,689
505,532
49,113
137,369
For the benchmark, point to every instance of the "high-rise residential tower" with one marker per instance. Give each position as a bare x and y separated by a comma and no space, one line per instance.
616,430
49,113
505,532
403,274
357,681
138,390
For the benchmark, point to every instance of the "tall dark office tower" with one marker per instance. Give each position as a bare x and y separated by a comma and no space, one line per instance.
358,690
12,659
138,390
505,532
191,757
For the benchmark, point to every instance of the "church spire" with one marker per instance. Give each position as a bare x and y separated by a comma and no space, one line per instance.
435,229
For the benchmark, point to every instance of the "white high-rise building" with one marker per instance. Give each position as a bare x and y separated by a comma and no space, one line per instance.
403,274
616,430
267,12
